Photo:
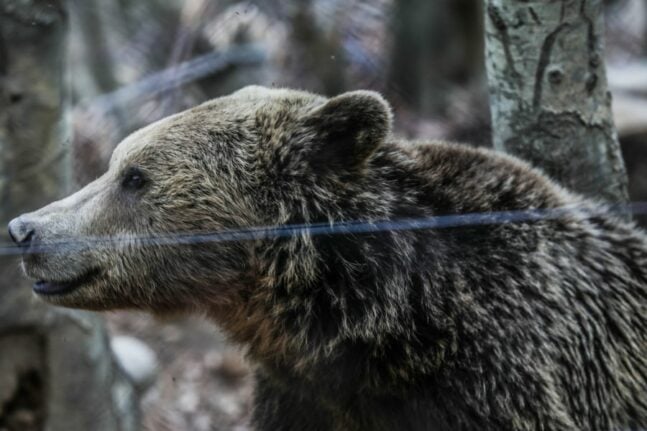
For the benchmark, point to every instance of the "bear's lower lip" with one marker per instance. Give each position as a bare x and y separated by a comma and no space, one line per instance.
43,287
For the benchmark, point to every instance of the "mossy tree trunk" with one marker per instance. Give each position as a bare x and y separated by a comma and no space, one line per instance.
548,88
56,368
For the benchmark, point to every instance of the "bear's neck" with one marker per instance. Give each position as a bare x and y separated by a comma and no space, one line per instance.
321,297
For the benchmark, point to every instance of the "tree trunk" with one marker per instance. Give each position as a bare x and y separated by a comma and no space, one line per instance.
548,88
317,47
436,45
56,369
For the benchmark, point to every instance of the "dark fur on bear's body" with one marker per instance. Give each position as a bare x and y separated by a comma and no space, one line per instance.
518,325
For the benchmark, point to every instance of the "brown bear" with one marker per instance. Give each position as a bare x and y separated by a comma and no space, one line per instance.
377,284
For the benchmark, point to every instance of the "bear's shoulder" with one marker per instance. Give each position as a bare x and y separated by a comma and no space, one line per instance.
478,179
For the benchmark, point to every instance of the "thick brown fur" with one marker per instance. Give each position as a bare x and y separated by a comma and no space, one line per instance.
516,322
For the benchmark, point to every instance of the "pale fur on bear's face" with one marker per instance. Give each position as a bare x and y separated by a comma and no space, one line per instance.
128,239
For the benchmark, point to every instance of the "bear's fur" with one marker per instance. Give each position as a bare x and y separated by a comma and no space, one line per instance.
369,302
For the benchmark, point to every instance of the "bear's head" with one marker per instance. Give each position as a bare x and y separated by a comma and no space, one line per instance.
173,224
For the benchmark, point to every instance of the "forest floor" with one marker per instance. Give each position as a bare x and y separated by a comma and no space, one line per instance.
202,384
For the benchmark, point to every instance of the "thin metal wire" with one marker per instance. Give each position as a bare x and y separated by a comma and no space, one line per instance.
332,228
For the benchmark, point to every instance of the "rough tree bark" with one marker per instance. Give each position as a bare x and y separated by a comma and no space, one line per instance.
548,89
56,368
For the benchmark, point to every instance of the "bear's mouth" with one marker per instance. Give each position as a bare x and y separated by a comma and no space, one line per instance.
45,287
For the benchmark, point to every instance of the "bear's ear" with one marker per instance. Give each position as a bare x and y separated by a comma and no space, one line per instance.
346,130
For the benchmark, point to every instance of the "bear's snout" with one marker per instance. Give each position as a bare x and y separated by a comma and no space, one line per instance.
22,231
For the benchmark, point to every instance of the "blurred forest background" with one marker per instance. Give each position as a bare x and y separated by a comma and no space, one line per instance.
133,62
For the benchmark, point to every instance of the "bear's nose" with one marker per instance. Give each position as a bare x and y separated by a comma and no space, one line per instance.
21,231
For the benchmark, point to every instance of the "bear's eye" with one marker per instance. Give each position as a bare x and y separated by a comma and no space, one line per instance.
133,179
